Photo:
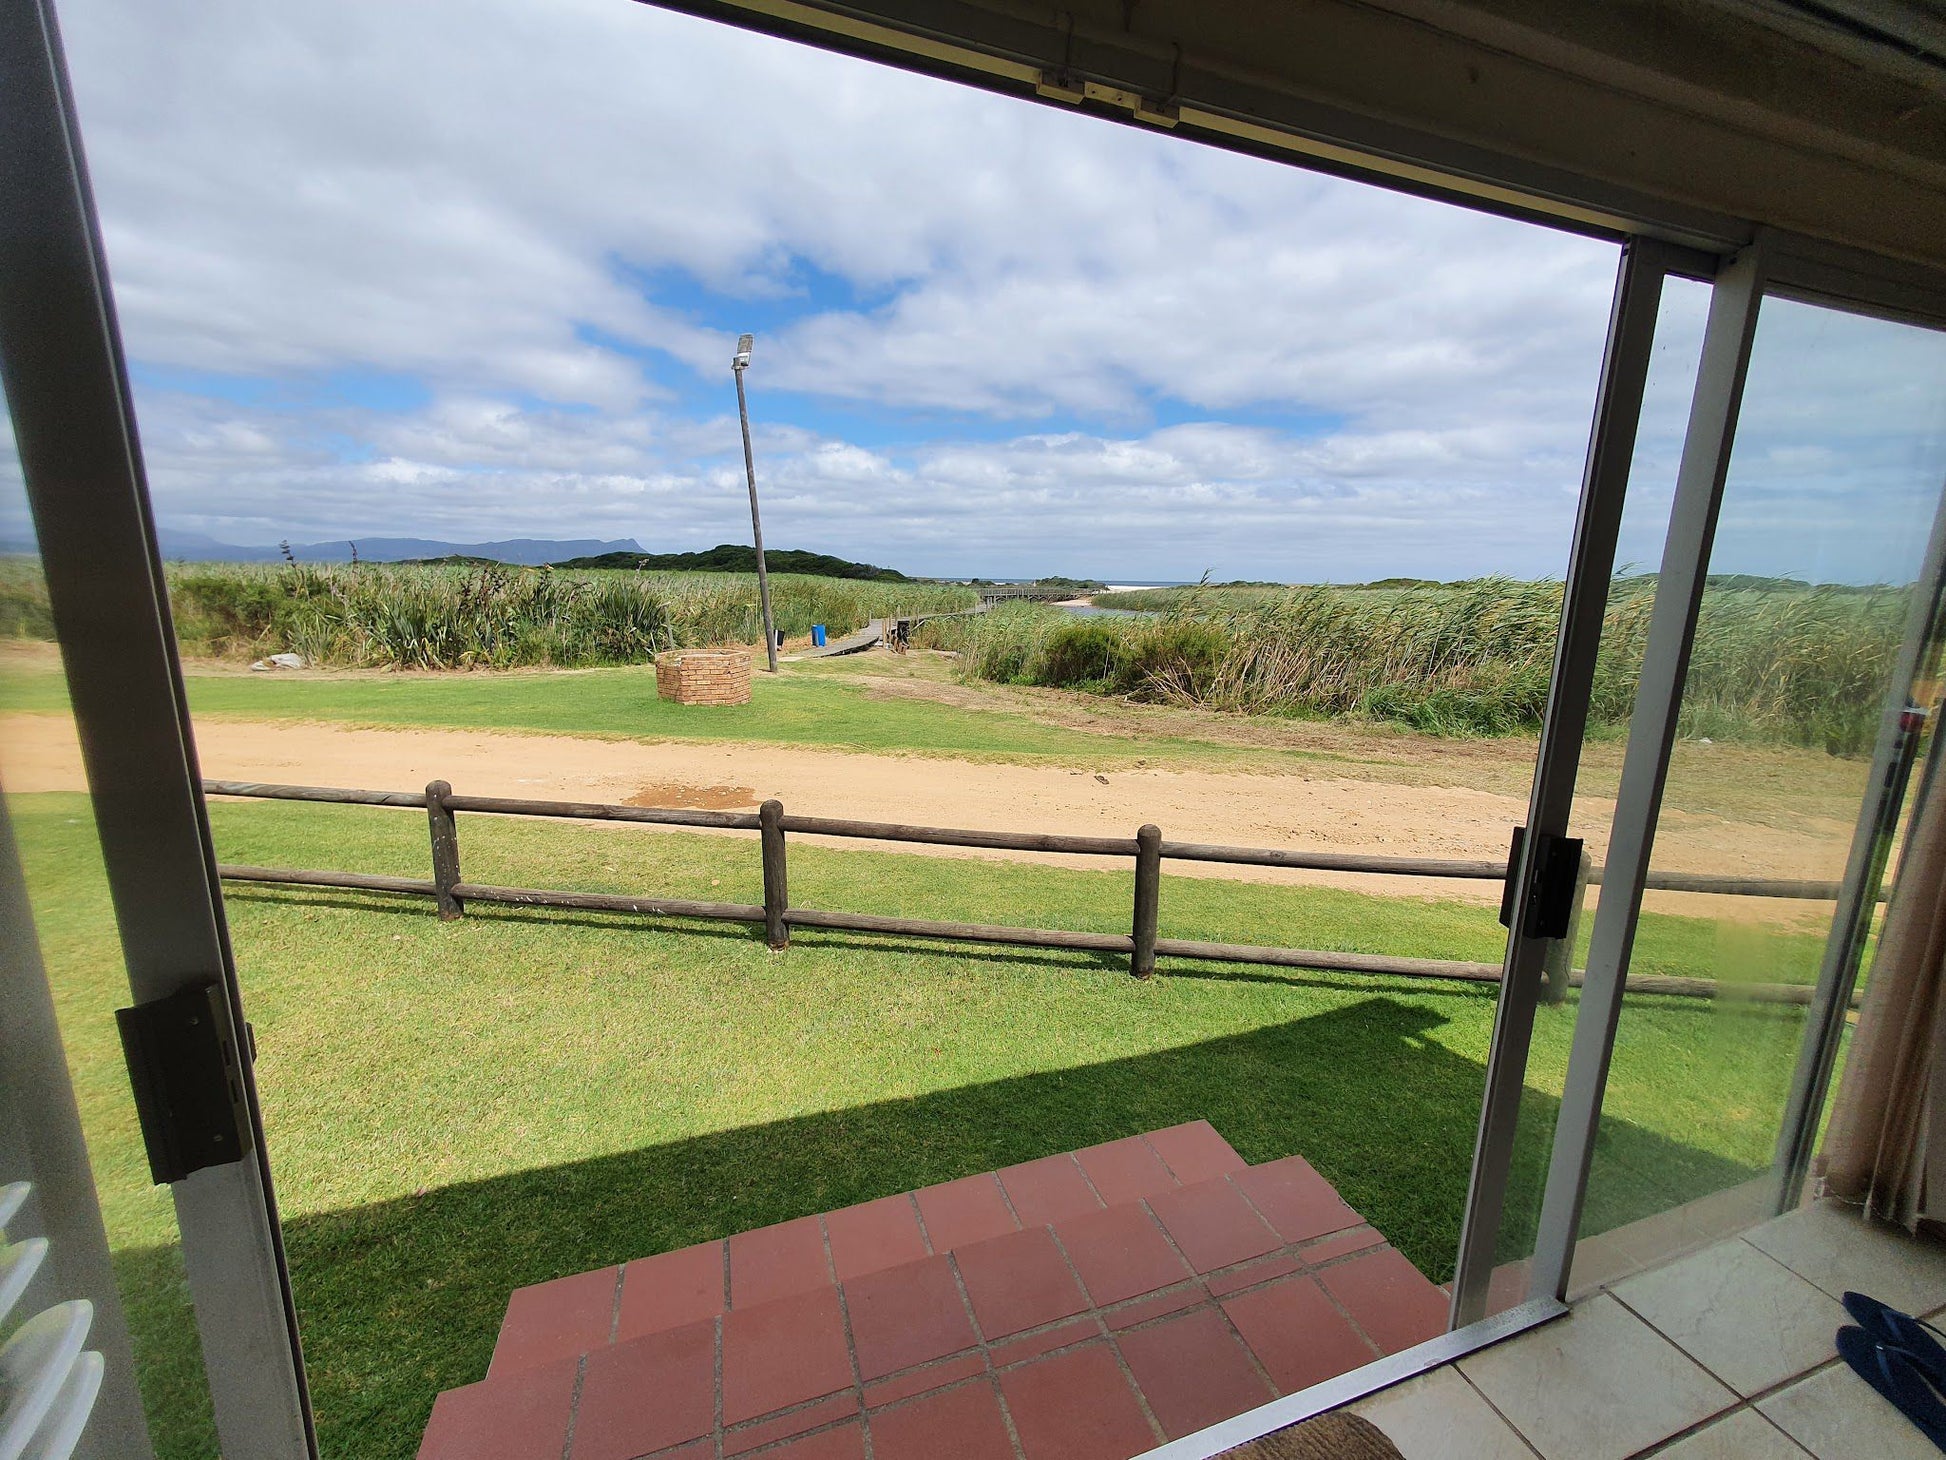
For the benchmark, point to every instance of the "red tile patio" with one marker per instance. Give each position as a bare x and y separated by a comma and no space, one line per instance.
1087,1305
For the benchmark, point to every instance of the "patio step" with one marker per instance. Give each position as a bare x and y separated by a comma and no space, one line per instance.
571,1315
1071,1328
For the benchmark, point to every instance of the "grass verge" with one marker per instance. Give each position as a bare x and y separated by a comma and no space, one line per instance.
816,709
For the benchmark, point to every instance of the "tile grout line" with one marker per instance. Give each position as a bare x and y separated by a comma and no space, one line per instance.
1007,1200
1144,1139
1089,1181
615,1312
1114,1348
919,1216
1702,1368
574,1406
1504,1418
851,1340
992,1373
1378,1349
718,1341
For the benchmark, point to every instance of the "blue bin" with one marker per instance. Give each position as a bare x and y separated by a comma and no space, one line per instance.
817,635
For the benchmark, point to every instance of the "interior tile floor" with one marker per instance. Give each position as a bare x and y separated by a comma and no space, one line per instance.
1725,1352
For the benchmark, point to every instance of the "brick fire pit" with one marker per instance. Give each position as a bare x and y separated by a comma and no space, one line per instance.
703,676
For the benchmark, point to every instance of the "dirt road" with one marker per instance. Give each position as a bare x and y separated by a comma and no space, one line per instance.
1319,812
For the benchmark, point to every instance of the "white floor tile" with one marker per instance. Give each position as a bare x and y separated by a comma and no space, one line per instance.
1596,1385
1838,1416
1740,1314
1745,1435
1439,1416
1837,1249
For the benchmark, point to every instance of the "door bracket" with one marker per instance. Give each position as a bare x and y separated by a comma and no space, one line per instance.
184,1066
1552,890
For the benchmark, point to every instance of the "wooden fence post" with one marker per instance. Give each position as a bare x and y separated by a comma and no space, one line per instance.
770,828
1148,899
1560,957
445,850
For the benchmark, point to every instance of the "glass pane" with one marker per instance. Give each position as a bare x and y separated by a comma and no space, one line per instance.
1652,477
1833,484
1364,413
53,822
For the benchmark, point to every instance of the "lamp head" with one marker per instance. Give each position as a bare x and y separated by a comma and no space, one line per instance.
742,359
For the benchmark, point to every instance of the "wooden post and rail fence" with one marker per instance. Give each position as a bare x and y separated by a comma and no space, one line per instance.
1141,945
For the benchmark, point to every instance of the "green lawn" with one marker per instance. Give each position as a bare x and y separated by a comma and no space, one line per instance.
458,1109
805,705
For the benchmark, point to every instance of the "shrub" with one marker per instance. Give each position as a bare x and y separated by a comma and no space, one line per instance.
1082,654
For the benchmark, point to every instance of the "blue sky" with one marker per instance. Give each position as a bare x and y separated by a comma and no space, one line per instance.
474,271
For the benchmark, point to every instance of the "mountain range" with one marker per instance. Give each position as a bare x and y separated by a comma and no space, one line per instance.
530,551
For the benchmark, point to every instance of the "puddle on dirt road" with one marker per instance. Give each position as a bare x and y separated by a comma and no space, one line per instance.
695,798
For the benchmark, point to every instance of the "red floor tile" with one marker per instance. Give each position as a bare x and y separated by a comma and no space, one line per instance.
670,1290
906,1315
783,1352
1195,1152
1017,1282
1047,1190
933,1376
965,1211
1076,1406
876,1235
1213,1225
774,1262
784,1426
1297,1201
555,1320
1120,1253
524,1417
845,1443
1125,1170
958,1424
647,1394
1192,1371
1296,1333
1395,1303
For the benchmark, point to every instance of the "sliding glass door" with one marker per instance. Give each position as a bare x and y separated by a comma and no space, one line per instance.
1775,646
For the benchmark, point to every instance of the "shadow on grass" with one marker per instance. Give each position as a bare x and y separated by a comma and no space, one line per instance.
999,954
403,1298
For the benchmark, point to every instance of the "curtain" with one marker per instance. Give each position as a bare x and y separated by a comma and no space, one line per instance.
1886,1145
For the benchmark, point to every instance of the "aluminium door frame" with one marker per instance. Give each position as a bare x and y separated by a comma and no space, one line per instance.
1715,404
1645,265
74,424
1886,786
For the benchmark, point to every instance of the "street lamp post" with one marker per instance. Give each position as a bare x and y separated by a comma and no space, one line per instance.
737,366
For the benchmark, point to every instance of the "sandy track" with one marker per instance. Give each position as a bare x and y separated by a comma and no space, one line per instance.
39,753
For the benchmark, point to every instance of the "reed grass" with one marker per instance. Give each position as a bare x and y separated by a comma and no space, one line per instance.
441,616
1773,661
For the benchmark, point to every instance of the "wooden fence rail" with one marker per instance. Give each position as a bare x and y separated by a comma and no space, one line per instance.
1141,945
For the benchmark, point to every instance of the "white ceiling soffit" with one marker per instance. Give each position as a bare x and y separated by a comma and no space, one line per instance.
1691,120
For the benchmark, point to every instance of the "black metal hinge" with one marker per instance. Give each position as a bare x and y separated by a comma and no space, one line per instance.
1551,884
188,1080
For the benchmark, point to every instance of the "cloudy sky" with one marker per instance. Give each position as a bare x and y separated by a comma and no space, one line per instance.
474,271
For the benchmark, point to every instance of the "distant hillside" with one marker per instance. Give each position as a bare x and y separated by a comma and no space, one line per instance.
528,551
732,557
